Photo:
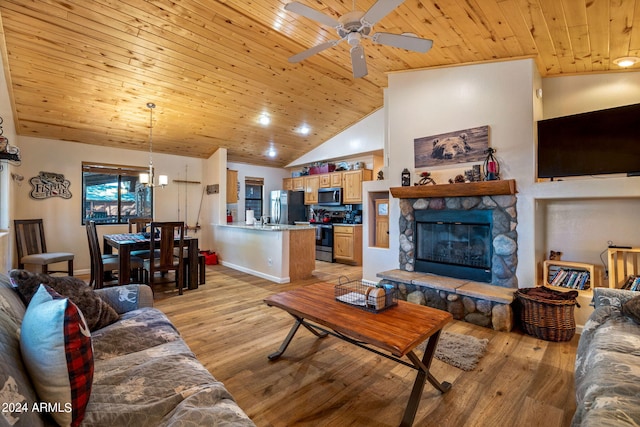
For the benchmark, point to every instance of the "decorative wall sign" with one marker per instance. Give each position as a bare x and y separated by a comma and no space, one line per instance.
461,146
49,184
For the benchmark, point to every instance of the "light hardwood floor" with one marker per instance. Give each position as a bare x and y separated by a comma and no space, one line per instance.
521,381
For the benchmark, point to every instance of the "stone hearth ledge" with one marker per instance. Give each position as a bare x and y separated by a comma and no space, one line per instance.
478,303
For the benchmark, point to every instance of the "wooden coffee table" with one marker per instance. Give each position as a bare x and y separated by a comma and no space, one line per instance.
398,331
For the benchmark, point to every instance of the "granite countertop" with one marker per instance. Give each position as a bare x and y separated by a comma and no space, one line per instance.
267,227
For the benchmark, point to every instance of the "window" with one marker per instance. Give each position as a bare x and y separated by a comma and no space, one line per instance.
253,195
112,194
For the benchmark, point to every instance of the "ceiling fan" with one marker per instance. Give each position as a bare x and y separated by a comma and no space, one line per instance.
353,27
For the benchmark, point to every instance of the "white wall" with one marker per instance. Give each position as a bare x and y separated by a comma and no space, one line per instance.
365,136
579,216
214,207
579,94
430,102
576,216
272,181
9,132
261,253
63,217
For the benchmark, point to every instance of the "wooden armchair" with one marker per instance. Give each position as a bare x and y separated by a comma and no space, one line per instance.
32,247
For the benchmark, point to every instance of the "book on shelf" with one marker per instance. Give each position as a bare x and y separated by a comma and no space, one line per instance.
632,283
570,278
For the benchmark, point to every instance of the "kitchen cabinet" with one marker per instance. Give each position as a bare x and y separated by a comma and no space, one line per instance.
311,185
297,183
232,186
336,179
331,180
287,183
352,185
347,244
325,180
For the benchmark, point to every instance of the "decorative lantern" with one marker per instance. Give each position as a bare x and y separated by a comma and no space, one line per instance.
406,178
491,166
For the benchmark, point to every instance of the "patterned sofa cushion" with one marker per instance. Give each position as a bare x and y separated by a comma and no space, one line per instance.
136,331
607,370
631,309
16,391
160,385
10,301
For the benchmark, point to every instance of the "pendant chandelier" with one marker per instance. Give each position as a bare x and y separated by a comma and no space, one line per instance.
147,178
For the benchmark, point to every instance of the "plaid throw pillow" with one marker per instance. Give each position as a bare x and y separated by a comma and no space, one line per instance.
56,347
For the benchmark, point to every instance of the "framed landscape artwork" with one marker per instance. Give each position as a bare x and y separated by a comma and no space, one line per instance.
461,146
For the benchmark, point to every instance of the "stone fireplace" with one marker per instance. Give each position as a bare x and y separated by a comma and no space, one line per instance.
458,250
466,237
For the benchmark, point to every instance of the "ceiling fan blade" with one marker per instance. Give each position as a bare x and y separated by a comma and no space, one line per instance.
379,10
358,62
311,13
312,51
403,41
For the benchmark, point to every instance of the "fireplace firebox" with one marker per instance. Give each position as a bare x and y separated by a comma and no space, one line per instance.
454,243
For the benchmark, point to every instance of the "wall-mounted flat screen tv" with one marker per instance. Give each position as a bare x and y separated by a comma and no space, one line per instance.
594,143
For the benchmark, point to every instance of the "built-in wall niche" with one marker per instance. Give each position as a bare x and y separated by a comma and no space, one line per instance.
378,220
582,228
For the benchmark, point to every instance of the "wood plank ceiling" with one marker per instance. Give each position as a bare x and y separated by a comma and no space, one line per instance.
84,70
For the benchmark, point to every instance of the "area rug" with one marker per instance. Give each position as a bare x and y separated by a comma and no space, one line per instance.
461,351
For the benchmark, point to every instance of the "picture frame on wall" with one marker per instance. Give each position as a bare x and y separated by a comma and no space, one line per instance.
462,146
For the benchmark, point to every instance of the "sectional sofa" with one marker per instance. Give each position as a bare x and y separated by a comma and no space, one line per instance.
135,371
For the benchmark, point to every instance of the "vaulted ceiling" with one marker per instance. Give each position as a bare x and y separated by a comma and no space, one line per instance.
84,70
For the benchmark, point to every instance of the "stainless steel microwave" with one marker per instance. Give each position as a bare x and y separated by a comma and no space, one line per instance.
330,196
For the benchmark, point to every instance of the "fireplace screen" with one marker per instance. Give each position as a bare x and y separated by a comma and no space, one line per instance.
456,244
460,244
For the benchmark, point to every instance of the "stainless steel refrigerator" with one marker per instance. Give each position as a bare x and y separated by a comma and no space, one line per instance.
286,207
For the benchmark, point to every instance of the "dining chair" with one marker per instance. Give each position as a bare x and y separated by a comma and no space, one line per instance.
103,263
140,225
32,247
201,272
168,235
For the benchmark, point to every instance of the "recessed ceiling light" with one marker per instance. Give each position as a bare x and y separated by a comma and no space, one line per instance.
264,119
626,61
272,152
304,129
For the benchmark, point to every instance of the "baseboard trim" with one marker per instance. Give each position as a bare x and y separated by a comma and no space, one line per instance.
256,273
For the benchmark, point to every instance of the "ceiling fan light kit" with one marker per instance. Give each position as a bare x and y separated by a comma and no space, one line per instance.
353,27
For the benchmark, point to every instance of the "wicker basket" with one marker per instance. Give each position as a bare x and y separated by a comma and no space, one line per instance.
548,314
365,296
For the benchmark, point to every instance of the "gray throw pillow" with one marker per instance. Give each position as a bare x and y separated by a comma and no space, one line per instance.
631,309
97,312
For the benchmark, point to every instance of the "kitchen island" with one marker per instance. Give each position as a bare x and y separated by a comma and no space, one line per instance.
276,252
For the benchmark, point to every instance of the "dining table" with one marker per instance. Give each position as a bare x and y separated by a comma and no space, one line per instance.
124,243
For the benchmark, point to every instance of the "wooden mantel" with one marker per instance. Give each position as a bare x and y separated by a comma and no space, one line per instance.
482,188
